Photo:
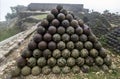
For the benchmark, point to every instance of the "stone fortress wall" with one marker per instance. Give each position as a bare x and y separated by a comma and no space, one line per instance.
38,8
49,6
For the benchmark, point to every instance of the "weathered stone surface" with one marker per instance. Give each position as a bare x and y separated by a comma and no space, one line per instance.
13,42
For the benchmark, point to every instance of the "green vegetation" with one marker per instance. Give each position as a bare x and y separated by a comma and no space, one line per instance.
8,32
103,40
42,16
15,10
101,75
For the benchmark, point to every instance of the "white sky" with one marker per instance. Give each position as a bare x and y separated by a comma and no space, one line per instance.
96,5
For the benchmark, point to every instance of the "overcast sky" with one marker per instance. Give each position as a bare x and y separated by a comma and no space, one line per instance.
96,5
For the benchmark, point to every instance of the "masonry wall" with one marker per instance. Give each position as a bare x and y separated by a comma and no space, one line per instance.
49,6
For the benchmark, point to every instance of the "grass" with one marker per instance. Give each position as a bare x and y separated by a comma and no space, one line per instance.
98,75
8,32
103,40
40,16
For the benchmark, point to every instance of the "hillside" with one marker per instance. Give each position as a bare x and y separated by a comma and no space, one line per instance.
98,23
8,29
16,25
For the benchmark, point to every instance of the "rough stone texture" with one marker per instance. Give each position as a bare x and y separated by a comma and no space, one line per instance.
49,6
29,13
13,42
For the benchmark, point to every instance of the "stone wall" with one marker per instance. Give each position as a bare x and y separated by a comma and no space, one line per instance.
49,6
25,14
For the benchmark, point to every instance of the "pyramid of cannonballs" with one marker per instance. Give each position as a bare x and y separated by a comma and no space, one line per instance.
113,39
61,44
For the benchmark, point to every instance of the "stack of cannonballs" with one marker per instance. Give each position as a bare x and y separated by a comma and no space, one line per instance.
61,45
113,39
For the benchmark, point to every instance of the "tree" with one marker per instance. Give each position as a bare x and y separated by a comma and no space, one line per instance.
15,10
117,13
18,8
10,16
106,12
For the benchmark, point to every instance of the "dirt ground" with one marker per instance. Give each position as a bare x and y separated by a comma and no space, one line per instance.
9,63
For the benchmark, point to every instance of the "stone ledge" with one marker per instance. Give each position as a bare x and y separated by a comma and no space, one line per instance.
14,42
